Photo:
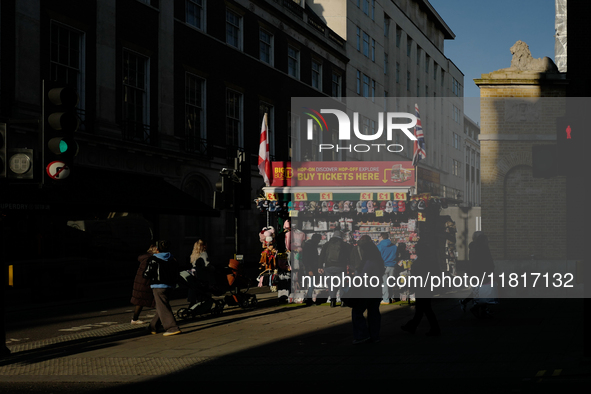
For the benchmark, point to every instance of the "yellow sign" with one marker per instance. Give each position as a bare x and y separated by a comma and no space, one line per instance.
301,196
400,196
293,212
325,196
421,217
379,213
271,196
366,196
383,196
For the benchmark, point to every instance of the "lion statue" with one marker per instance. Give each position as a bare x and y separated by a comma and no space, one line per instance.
523,61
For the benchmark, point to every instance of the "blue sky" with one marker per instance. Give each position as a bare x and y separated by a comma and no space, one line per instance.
485,30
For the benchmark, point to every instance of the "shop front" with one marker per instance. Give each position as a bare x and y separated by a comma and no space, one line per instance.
355,198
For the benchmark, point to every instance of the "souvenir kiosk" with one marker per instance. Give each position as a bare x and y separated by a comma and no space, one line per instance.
357,198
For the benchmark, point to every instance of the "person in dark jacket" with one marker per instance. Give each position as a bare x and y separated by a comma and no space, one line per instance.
371,264
310,262
142,295
425,263
334,256
480,263
162,284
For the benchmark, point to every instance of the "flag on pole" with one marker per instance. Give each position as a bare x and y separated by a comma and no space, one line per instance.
264,160
419,145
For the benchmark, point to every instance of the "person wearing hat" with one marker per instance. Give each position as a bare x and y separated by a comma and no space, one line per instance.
163,271
333,260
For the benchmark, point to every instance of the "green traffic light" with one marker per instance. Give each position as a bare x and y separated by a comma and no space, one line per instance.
63,146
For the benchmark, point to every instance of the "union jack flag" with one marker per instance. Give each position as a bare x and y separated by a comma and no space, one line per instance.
419,152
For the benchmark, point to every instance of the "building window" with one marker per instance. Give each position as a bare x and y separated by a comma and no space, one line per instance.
365,44
418,87
233,29
408,81
336,85
316,75
266,46
385,63
234,136
456,87
386,25
456,114
397,72
427,60
194,13
135,97
293,137
426,90
435,71
66,59
195,132
358,82
265,108
456,141
365,7
358,39
293,62
365,86
373,50
418,56
408,46
373,90
442,75
455,167
398,36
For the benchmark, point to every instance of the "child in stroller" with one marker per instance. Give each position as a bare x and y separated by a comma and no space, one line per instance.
208,281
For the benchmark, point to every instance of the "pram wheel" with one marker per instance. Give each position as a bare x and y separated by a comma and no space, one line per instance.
253,301
244,303
218,308
183,313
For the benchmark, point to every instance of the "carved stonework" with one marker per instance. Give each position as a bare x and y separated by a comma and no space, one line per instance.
522,111
523,61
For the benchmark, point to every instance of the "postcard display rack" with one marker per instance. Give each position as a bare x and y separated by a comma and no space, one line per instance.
355,215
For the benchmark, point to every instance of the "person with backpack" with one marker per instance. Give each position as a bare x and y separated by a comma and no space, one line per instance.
334,257
163,271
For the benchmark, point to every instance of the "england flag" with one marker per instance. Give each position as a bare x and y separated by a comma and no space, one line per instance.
419,146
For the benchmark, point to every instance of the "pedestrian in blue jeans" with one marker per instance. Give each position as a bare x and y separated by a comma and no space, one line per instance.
388,252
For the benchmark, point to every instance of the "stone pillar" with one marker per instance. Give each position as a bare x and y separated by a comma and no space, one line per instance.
524,217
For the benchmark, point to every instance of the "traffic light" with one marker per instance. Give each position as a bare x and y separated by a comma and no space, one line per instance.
224,195
570,144
59,125
3,156
14,163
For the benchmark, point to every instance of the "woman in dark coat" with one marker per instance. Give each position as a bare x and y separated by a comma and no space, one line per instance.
423,266
370,263
142,294
480,263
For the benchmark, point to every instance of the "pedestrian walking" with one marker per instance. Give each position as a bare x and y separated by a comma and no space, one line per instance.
163,271
309,262
199,262
334,257
388,252
424,264
480,263
141,294
371,264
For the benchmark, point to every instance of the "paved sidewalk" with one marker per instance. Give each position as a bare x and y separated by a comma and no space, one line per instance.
526,343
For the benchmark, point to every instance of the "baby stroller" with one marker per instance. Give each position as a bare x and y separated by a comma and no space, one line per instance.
211,281
238,286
